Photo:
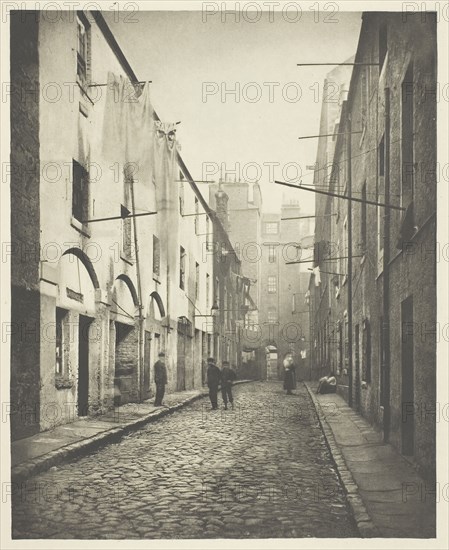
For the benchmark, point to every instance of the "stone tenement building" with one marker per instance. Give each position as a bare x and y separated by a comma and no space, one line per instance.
323,358
284,316
110,259
379,321
240,208
277,320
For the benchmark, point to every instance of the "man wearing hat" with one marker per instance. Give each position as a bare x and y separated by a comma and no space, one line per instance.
227,377
160,378
213,381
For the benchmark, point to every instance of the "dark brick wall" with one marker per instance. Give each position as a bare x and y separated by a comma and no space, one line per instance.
25,350
126,363
412,271
25,223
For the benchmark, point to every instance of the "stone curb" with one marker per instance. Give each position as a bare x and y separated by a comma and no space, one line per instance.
30,468
365,524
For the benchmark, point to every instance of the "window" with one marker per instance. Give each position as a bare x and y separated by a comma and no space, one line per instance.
156,256
383,43
334,173
407,190
182,267
217,292
271,228
272,284
197,280
272,254
209,345
61,315
83,49
363,220
80,192
272,315
207,291
197,219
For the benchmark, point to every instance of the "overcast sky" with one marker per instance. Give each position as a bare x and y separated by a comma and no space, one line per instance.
186,57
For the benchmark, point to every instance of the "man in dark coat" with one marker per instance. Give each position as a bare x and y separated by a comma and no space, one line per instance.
213,381
227,377
160,379
289,373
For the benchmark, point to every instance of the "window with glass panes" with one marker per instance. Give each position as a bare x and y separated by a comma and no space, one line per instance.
80,192
272,284
272,315
271,228
83,49
182,267
61,315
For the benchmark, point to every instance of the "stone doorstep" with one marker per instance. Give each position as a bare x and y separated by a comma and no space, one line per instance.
364,522
29,468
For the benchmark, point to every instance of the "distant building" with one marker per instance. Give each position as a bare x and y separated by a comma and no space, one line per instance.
239,207
284,316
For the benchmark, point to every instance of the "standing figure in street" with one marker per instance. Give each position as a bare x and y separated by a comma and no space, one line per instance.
289,373
160,379
227,378
213,381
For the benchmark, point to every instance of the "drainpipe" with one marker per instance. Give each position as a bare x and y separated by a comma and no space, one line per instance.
139,298
386,274
312,318
349,182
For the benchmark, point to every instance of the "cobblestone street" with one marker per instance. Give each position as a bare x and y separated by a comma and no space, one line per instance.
260,470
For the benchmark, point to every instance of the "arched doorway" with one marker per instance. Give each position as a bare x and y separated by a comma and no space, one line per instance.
125,338
153,339
184,378
272,361
75,306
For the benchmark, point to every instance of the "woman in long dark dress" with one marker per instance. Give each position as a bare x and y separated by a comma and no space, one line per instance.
289,374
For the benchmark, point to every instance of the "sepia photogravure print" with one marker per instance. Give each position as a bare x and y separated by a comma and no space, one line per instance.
224,274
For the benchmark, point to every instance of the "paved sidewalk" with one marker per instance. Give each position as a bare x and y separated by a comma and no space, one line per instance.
388,497
41,451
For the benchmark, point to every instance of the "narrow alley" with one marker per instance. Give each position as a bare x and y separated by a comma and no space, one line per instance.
261,470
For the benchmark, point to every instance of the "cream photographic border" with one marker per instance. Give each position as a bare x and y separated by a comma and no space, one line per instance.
442,540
